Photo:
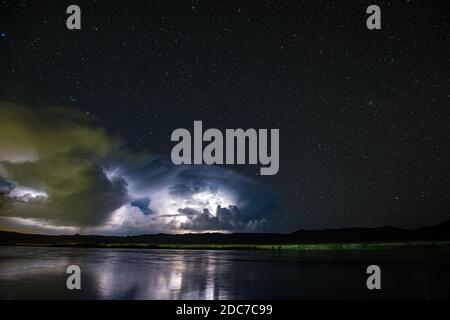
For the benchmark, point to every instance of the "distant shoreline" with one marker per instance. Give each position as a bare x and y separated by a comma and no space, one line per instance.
393,245
383,238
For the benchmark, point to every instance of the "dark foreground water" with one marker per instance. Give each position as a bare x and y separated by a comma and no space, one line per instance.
32,273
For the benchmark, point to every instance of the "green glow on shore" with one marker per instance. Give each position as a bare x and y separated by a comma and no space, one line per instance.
296,246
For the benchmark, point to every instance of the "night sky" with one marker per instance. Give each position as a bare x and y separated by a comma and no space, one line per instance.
363,114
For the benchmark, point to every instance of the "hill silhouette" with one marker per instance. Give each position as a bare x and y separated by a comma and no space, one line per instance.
438,232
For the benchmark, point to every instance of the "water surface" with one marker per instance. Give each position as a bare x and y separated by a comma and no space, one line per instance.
39,272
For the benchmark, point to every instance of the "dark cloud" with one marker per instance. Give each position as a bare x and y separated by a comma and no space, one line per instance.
229,216
204,221
143,204
188,211
5,186
225,219
79,192
58,152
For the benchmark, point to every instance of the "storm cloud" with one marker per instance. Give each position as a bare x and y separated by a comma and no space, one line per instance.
143,204
60,170
58,152
225,219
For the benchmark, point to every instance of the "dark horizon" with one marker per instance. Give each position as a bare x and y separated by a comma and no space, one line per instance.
444,224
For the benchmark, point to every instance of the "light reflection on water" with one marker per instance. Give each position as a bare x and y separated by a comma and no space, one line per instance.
159,275
32,273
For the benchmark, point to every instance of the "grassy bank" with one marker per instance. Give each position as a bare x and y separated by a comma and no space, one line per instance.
297,246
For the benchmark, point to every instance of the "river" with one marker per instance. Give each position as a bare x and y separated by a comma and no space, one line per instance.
40,272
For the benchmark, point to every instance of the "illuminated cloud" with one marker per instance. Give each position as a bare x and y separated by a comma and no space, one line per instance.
60,171
224,219
58,153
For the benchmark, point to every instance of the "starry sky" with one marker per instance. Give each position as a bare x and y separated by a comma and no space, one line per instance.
363,115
